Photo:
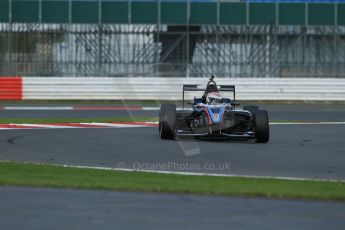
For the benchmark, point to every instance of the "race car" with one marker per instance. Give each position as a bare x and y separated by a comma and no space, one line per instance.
213,115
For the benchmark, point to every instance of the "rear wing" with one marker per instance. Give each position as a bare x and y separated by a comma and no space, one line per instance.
221,88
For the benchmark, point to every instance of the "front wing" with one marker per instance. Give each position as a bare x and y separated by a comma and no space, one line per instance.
247,134
184,129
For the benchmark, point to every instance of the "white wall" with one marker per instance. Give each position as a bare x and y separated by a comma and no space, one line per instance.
46,88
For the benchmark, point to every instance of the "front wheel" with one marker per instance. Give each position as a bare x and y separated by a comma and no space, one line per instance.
252,109
262,131
167,121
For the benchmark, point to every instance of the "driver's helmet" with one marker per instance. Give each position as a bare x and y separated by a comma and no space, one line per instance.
214,98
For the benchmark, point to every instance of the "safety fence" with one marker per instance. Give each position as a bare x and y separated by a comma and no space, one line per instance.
169,38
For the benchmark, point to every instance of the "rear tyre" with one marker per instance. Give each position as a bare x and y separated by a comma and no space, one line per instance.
167,121
261,126
251,108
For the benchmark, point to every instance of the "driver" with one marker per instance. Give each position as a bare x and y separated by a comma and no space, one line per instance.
211,88
214,98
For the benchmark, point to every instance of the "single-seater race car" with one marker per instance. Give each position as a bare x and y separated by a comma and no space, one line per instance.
213,116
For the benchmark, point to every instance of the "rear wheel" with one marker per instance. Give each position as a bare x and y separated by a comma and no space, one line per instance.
167,121
262,133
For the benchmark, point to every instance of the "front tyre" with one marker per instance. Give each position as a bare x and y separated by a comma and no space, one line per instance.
252,109
167,121
262,131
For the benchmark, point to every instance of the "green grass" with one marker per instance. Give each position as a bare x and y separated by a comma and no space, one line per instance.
74,120
34,175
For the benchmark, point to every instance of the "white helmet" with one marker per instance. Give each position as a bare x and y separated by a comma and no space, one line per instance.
214,98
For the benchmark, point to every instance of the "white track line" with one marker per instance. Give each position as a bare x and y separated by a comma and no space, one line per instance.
158,108
186,173
71,108
75,125
38,108
150,108
15,128
134,125
116,125
309,123
200,174
46,126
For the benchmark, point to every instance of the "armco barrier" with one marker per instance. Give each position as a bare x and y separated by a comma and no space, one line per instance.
103,88
11,88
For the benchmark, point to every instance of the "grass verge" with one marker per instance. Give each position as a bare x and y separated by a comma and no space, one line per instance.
23,174
74,120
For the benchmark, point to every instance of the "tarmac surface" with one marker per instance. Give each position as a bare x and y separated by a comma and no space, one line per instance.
302,151
298,151
45,208
276,112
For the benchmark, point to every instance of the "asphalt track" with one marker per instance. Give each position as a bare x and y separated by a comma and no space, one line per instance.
276,112
303,151
42,208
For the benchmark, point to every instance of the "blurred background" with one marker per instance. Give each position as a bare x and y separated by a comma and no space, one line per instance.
173,38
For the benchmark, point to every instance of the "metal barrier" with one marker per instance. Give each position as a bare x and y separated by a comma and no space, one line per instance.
11,88
101,88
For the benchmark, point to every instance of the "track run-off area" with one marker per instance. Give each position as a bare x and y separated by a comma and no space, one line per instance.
305,143
307,150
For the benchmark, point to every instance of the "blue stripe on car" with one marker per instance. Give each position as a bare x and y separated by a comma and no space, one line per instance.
217,110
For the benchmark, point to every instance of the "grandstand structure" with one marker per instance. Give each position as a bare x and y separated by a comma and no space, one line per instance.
172,38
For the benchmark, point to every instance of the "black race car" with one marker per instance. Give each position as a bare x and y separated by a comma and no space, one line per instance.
213,115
